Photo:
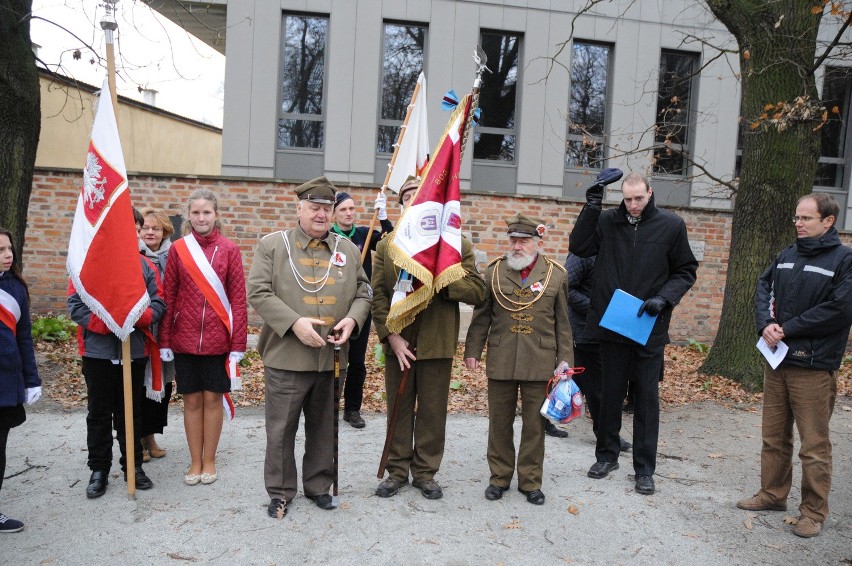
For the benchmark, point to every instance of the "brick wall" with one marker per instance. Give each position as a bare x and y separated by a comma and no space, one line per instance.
251,209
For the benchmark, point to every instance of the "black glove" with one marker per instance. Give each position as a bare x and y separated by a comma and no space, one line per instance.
653,306
594,194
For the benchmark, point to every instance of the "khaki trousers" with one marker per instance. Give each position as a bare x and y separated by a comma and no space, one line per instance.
418,441
288,394
502,402
805,397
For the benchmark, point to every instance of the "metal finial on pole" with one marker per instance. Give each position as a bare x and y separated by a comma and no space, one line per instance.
480,58
109,25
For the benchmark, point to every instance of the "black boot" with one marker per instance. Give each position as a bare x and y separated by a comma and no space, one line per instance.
142,481
97,484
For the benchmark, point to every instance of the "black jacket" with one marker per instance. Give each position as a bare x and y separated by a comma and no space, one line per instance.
808,291
650,258
579,282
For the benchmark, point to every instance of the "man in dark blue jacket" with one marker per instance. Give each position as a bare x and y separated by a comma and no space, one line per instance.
804,298
344,224
643,251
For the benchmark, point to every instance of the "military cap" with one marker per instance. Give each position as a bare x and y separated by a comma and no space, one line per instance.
411,183
319,190
521,226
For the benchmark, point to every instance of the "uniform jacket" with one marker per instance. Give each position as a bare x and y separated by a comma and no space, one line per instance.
579,282
192,326
278,297
18,370
439,327
650,258
93,337
528,344
808,291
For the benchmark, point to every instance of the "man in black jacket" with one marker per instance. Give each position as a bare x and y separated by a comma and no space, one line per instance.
344,224
643,251
804,298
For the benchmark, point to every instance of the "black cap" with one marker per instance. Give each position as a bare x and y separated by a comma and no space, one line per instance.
340,197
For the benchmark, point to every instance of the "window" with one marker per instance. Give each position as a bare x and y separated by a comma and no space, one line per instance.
494,139
402,62
836,93
672,134
301,123
584,145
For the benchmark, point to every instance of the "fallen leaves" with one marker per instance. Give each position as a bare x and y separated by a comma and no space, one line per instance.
789,520
514,524
59,366
573,510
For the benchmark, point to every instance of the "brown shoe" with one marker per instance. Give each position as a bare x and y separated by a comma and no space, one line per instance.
156,452
146,456
757,503
807,527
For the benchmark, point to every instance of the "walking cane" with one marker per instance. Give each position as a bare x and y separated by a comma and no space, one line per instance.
336,416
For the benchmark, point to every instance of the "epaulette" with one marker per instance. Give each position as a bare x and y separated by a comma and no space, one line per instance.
495,260
557,264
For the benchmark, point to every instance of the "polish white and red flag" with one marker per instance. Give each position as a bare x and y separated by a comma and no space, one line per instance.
103,252
427,240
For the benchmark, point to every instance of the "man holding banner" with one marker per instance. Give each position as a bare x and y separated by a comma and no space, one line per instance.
421,273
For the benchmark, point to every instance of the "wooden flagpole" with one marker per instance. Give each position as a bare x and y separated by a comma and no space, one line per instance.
109,25
398,144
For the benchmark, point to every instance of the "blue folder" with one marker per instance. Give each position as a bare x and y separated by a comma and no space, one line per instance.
620,317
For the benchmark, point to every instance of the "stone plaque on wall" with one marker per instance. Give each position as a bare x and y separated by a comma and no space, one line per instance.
697,249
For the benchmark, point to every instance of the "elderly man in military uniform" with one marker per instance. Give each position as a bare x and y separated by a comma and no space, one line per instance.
312,293
525,320
428,383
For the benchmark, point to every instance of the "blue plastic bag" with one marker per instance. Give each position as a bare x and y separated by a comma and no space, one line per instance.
564,402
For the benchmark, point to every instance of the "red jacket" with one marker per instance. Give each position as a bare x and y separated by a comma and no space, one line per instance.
191,326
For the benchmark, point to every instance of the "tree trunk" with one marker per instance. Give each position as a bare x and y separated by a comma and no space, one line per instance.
20,116
777,42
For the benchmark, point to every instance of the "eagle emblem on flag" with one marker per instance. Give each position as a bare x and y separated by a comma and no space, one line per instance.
100,181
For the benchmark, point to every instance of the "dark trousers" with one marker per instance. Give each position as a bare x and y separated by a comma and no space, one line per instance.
642,365
356,373
105,386
588,356
4,435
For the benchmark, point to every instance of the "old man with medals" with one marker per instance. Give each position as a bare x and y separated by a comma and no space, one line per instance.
525,322
308,285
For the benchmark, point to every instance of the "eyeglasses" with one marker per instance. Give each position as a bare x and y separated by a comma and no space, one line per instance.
150,229
806,219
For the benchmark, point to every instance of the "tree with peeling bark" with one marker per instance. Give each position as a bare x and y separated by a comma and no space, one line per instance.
20,116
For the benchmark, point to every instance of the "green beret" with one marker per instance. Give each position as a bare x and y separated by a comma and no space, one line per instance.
319,190
521,226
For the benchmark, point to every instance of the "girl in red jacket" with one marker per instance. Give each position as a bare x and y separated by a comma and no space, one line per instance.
204,329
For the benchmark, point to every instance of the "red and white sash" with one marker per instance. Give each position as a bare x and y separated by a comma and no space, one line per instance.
10,311
203,275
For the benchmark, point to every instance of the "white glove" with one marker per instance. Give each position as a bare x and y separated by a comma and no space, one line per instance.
381,206
167,355
562,369
33,394
236,356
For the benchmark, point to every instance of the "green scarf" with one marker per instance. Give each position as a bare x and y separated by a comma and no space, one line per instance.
336,229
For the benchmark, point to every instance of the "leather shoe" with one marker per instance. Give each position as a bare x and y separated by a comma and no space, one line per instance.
602,469
390,487
645,485
494,492
623,445
97,484
354,419
536,497
277,508
551,430
142,481
429,488
807,527
323,501
757,503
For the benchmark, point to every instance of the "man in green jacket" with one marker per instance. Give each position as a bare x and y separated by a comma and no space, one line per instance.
428,383
525,320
